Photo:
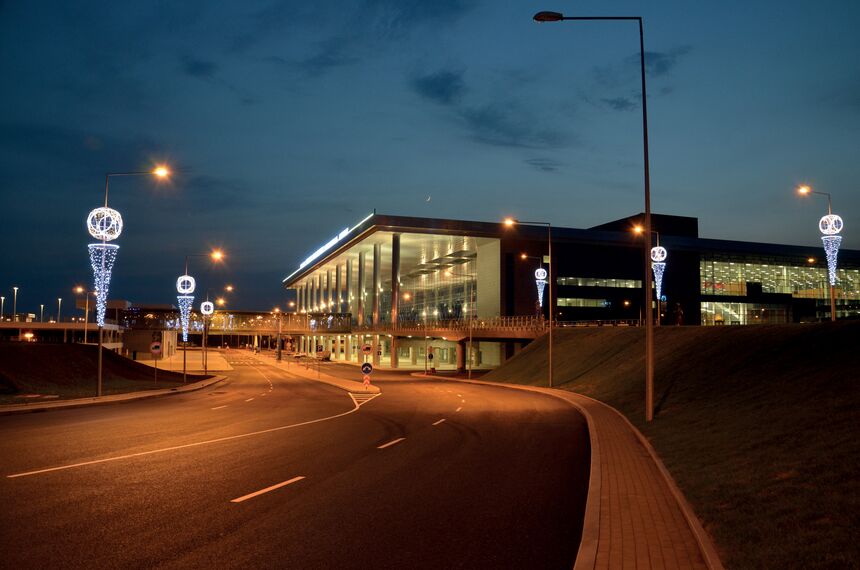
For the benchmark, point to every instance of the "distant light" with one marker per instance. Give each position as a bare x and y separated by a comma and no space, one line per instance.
217,255
510,222
221,302
79,289
161,171
406,296
229,288
810,260
637,229
523,256
804,189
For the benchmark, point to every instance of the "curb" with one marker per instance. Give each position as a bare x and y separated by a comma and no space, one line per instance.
14,409
587,555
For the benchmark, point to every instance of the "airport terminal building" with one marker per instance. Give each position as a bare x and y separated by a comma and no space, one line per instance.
399,283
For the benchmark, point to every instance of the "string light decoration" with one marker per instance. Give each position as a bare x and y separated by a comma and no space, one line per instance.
658,267
540,281
185,303
830,225
102,258
104,224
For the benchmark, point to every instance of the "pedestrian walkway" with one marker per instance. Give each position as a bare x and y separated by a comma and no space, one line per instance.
635,515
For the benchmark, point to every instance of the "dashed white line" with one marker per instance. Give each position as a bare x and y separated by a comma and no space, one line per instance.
458,409
438,422
463,401
390,443
219,407
249,399
266,490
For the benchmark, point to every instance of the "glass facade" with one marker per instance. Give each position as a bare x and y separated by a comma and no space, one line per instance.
575,302
728,313
599,282
720,277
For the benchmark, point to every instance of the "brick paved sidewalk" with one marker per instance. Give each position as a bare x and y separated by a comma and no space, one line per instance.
635,515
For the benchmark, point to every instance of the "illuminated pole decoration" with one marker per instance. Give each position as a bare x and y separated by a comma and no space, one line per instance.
830,225
658,266
185,286
104,224
540,281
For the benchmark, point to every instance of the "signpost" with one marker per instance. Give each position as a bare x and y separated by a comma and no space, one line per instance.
155,350
366,369
430,358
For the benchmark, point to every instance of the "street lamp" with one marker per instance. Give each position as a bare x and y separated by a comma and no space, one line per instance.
829,225
658,267
2,307
510,222
59,307
105,224
185,286
15,304
82,291
278,351
41,312
649,316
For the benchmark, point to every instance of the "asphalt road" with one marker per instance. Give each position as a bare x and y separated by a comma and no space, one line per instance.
430,474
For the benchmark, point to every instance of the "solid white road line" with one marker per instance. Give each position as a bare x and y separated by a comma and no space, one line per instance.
390,443
458,409
219,407
175,447
249,399
439,422
266,490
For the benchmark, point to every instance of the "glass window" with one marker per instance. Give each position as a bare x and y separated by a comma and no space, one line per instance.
577,302
730,277
599,282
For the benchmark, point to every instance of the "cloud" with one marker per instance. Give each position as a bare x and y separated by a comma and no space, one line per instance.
620,104
544,164
658,64
443,87
199,68
507,124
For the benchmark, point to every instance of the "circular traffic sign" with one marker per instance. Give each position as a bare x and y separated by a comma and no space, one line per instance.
366,349
155,347
366,368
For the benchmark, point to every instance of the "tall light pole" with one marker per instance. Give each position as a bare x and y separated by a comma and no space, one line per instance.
105,224
510,222
649,315
41,312
829,225
59,308
2,307
81,290
15,304
185,286
278,351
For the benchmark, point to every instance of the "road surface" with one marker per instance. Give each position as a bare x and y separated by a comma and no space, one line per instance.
268,470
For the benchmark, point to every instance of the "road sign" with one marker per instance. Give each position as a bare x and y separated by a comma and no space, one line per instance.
429,356
366,368
155,347
367,380
366,349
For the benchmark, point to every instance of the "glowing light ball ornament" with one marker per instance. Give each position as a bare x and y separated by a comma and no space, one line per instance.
185,285
104,224
658,266
540,281
207,308
830,225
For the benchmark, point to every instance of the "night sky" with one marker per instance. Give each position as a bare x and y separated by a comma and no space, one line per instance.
288,121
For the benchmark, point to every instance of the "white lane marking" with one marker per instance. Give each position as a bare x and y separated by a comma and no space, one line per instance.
263,394
458,409
219,407
266,490
463,401
459,395
249,399
439,422
390,443
361,399
175,447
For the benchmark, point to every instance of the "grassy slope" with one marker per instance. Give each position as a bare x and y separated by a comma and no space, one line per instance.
757,424
69,370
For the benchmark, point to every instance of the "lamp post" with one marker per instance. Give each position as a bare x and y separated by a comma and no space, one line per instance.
829,225
278,351
649,316
185,286
15,304
510,222
2,307
59,308
105,224
80,290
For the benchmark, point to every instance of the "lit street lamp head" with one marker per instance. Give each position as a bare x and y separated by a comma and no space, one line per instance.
548,17
217,255
803,189
161,171
510,222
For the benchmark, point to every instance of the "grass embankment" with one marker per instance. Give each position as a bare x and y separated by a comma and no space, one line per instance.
31,372
758,425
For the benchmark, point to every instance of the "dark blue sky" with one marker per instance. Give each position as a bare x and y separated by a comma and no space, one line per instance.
292,120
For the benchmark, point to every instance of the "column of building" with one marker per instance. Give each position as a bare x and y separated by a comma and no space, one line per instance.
395,295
